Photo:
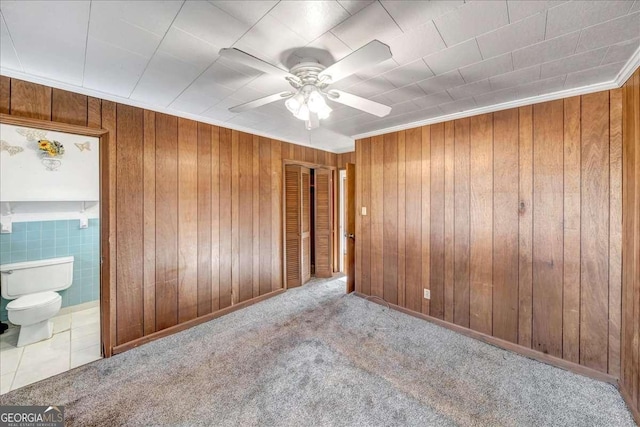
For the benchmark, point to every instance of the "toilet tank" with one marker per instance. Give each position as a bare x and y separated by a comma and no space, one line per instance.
22,278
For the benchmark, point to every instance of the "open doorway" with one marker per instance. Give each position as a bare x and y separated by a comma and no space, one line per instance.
50,249
308,223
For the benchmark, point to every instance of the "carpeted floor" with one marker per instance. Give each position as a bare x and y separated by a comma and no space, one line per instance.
313,356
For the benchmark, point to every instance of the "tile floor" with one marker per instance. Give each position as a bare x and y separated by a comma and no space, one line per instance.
75,342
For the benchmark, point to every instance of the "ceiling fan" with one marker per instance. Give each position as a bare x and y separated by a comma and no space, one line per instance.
311,80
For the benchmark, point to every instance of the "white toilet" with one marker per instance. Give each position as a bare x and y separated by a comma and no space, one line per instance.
32,286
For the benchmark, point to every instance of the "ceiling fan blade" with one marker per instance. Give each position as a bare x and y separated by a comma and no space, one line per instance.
366,57
251,61
260,102
359,103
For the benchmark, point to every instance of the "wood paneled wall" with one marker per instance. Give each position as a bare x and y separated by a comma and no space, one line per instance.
512,220
198,207
630,373
344,158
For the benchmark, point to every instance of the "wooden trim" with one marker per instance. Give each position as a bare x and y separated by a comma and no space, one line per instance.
107,205
54,126
193,322
506,345
309,165
628,399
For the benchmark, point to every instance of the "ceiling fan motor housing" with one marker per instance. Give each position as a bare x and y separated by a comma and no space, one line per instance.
307,73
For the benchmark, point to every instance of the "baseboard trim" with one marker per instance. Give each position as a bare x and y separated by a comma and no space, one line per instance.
506,345
198,320
628,399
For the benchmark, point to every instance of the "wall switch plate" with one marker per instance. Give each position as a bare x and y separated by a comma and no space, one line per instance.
364,211
427,294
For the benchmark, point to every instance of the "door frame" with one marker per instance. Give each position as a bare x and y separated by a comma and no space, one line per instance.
107,202
342,214
283,224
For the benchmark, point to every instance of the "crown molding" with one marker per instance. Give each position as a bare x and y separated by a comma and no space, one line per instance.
493,108
127,101
632,64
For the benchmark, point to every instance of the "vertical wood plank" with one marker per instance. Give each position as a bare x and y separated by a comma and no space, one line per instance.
461,238
595,231
129,228
68,107
205,226
481,227
226,215
401,217
215,209
235,217
525,227
166,221
94,114
149,236
390,212
255,209
187,220
265,222
365,232
547,225
299,152
426,216
30,100
5,95
615,230
309,155
437,254
635,116
571,287
505,225
377,216
245,216
276,215
413,219
449,219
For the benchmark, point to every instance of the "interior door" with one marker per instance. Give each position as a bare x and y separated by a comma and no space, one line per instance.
305,233
293,225
297,225
350,212
323,223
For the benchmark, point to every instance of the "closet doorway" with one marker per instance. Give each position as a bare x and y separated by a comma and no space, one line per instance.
308,223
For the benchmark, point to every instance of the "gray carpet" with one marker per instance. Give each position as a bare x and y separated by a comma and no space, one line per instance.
313,356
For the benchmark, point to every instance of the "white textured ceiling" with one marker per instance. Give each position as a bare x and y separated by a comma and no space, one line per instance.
448,56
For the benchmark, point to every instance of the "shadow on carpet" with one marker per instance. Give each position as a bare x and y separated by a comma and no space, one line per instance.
315,356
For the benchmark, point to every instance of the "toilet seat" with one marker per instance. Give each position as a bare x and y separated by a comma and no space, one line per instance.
36,300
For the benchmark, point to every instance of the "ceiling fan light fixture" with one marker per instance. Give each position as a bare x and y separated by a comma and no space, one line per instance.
310,80
316,102
325,111
294,103
303,112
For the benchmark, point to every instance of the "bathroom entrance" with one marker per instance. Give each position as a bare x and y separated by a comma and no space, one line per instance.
50,250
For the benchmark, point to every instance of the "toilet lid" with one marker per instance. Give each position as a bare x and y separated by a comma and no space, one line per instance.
33,300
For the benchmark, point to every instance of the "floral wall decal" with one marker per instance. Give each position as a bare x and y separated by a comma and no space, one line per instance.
11,149
51,149
32,135
83,146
